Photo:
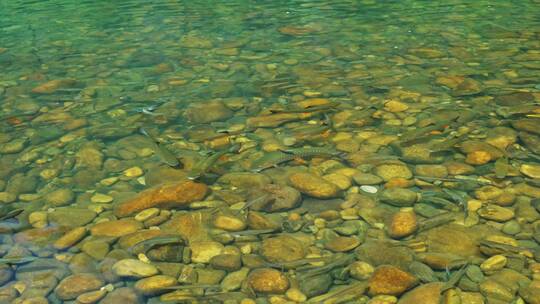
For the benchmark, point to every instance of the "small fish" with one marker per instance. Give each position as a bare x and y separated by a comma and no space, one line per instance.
202,167
458,197
7,213
149,110
146,245
165,155
180,287
439,201
447,144
312,151
299,109
262,198
271,160
18,260
423,272
409,138
454,279
252,232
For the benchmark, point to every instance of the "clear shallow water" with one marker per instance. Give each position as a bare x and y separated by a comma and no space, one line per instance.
438,99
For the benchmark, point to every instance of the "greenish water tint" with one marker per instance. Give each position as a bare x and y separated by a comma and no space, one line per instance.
305,151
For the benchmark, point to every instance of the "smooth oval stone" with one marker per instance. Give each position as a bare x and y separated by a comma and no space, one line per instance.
282,248
494,263
399,197
74,285
391,171
316,285
134,268
154,284
116,228
204,251
496,213
390,280
342,244
268,281
314,185
234,280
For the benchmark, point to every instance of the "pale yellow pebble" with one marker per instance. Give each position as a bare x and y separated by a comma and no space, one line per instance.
349,214
342,181
96,208
278,300
354,189
38,219
143,258
494,263
141,180
217,188
237,206
100,198
229,223
133,172
296,295
70,238
109,287
383,299
366,134
153,88
378,225
502,239
473,205
48,174
147,214
361,270
530,170
340,136
409,121
41,161
312,93
319,223
246,249
29,197
511,74
395,106
349,172
63,257
68,137
116,113
290,61
393,122
109,181
232,250
145,152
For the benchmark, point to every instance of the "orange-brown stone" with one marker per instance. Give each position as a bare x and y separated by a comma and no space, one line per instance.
399,182
403,224
164,196
478,158
116,228
268,280
390,280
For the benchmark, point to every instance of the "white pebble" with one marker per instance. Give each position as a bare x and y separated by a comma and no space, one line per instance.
369,189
